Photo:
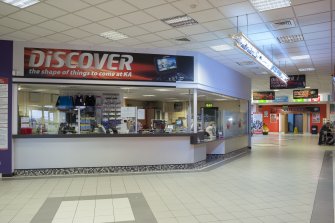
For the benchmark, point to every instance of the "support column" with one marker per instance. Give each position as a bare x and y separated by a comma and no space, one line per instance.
195,110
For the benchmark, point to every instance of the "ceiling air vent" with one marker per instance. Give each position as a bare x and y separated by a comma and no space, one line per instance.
183,39
246,63
283,24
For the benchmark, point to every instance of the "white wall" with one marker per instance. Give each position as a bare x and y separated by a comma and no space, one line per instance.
216,77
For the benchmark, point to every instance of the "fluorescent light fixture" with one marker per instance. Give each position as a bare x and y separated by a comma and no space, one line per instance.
21,3
125,97
290,38
220,99
264,5
148,95
306,69
113,35
163,89
307,87
48,106
276,90
245,45
127,88
180,21
221,47
302,57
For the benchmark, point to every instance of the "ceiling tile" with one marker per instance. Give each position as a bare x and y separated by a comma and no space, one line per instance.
191,30
316,35
225,33
115,23
286,32
261,36
237,9
27,17
64,4
314,19
257,28
130,41
60,37
207,15
219,3
44,40
149,38
218,25
117,7
23,35
94,28
138,17
142,4
6,9
278,14
94,14
12,23
38,30
163,43
54,26
189,6
164,11
77,33
5,30
204,37
73,20
79,42
94,2
245,20
316,27
46,10
312,8
155,26
170,34
96,39
133,31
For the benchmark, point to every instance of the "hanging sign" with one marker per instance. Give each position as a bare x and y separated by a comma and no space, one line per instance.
305,94
295,81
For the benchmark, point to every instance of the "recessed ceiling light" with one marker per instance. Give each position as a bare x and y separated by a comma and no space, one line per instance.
163,89
306,69
220,99
148,95
300,57
307,87
264,5
21,3
290,38
222,47
113,35
127,88
180,21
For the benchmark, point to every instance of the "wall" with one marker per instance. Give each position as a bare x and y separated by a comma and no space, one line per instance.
214,76
274,127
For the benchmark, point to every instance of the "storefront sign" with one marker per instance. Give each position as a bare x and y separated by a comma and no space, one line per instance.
295,81
99,65
263,95
281,99
3,113
307,93
209,105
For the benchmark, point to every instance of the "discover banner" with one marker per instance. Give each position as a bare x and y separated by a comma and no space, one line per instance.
99,65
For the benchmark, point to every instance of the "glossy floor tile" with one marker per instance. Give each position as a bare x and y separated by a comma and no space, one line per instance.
276,182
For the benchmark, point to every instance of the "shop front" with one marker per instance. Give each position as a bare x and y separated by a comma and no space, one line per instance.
79,111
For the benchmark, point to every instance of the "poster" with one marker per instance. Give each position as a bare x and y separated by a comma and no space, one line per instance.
273,118
257,123
315,117
305,94
295,81
266,114
263,95
101,65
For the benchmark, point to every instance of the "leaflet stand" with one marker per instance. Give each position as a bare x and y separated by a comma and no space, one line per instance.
79,108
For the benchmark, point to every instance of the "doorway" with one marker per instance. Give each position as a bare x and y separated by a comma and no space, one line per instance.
295,120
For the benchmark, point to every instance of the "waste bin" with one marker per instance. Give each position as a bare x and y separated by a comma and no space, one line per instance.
314,129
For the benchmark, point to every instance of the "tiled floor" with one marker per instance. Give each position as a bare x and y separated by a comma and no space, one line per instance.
276,182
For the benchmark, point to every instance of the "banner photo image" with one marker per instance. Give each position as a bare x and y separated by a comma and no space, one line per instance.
263,95
99,65
295,81
257,123
305,94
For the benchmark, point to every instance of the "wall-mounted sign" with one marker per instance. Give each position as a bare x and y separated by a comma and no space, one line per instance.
208,105
3,113
306,93
263,95
295,81
244,44
316,117
99,65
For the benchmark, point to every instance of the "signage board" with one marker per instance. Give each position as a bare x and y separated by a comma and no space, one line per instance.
281,99
100,65
263,95
295,81
305,94
3,113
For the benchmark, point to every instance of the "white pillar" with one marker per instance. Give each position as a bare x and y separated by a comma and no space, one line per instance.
195,110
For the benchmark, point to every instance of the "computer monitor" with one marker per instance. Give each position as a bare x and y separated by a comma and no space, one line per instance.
166,64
